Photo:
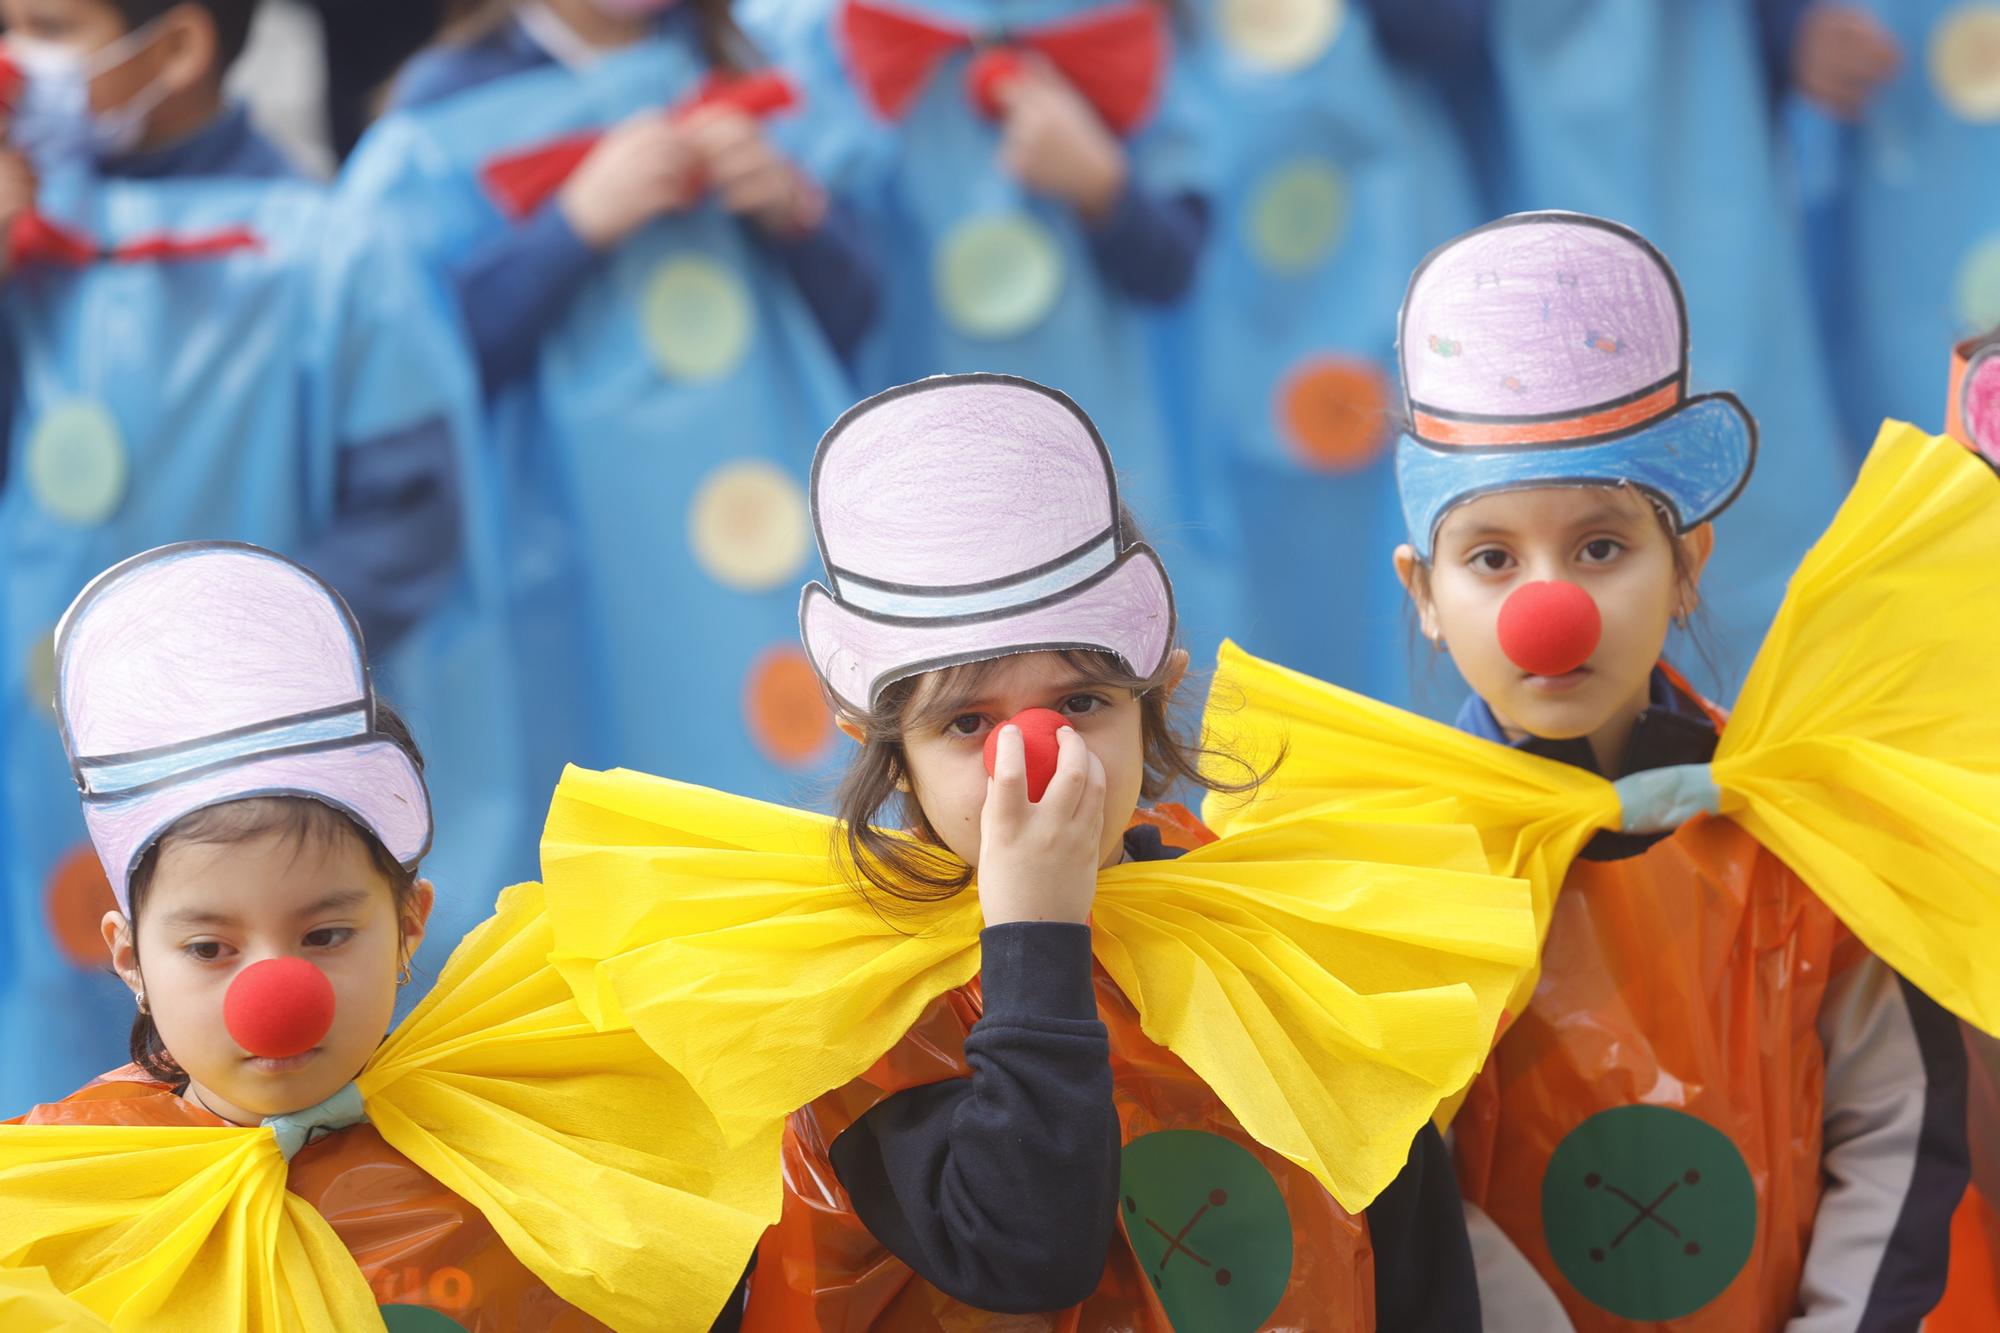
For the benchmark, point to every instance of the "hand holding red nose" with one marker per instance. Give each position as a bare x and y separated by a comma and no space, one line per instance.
1038,739
1549,629
278,1008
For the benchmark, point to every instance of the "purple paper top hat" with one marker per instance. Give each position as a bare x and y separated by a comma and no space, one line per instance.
208,672
1551,349
968,517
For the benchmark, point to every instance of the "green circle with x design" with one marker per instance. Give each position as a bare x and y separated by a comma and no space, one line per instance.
1210,1228
1649,1211
418,1319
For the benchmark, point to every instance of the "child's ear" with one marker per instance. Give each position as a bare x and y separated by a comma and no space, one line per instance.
851,729
124,950
191,50
1411,571
1177,669
1697,546
416,916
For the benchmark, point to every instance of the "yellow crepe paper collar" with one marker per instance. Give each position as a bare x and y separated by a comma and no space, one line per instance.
497,1085
1331,979
1864,750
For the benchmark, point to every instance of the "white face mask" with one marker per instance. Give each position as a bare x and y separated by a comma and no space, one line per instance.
54,123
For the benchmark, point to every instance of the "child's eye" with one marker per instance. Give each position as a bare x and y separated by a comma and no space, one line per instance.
1492,560
1601,551
966,724
205,951
329,937
1080,704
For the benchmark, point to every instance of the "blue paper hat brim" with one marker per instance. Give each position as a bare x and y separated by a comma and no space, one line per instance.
1695,461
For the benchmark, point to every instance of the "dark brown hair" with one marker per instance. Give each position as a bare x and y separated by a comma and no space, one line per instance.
305,823
723,41
918,869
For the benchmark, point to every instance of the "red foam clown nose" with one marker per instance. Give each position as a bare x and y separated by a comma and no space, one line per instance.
1038,740
278,1008
1549,629
987,77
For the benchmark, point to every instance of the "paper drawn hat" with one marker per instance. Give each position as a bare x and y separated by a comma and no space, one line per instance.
208,672
967,517
1972,413
1550,349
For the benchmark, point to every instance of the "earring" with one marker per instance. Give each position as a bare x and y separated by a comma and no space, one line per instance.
141,997
1437,643
403,977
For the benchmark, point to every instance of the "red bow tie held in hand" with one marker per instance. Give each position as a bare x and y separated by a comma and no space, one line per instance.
1117,58
1038,743
522,181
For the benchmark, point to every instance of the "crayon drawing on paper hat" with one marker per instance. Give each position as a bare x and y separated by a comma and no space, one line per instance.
207,672
967,517
1550,349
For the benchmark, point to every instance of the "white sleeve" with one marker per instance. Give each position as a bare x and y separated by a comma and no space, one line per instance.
1893,1156
1513,1298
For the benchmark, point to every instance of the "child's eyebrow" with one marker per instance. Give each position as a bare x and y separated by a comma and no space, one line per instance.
184,917
339,901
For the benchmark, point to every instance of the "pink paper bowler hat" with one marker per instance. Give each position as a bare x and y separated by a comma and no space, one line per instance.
209,672
1972,414
1551,349
967,517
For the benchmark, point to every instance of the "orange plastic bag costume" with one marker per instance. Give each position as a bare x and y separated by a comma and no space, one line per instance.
418,1245
1648,1132
1217,1232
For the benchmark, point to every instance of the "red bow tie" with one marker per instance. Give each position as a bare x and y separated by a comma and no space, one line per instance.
36,240
522,181
1115,58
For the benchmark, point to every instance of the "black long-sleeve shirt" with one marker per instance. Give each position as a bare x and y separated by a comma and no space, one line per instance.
1001,1189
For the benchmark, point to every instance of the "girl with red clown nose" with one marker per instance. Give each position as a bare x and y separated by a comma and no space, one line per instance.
271,1161
1015,1044
1720,1107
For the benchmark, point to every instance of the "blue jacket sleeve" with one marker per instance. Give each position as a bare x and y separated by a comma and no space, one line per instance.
392,547
1148,245
1434,35
511,288
1001,1189
837,273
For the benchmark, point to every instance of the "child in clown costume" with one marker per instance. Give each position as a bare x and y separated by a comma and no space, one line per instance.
269,1161
1719,1108
199,345
658,299
1037,170
1337,171
1139,1079
1661,116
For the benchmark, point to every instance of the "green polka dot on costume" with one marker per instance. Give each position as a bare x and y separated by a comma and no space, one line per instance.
1296,215
1280,36
76,463
1649,1212
698,318
1978,287
1209,1226
998,277
418,1319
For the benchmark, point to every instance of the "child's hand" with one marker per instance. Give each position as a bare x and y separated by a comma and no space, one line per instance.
1841,56
1038,860
1053,142
642,170
17,194
751,178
